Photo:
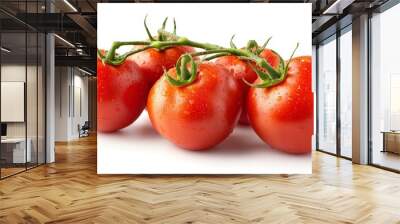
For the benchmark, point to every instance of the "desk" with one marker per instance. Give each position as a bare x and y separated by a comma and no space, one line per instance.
391,141
15,148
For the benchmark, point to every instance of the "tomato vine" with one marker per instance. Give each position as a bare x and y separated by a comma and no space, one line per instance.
164,39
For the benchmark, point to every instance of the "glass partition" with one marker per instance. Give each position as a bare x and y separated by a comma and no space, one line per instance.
31,100
385,89
41,107
13,95
22,67
346,92
327,95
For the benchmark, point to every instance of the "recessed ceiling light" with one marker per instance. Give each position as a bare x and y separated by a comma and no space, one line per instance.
64,40
84,71
70,5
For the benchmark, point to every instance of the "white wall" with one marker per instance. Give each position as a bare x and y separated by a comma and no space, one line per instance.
33,126
70,84
61,103
16,72
12,73
81,84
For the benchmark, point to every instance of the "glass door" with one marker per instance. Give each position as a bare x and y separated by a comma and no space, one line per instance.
385,89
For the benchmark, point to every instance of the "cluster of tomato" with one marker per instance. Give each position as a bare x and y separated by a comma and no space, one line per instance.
203,113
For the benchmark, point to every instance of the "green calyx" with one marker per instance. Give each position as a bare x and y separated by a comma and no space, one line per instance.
253,46
270,76
273,76
162,41
183,75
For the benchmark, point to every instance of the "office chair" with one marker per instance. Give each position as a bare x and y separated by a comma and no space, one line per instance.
84,130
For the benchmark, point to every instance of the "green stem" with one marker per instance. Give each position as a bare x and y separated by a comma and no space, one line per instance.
271,76
117,44
211,57
209,52
268,74
182,41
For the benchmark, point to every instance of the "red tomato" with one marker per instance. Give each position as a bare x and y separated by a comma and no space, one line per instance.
152,62
200,115
121,97
241,69
271,57
237,67
282,115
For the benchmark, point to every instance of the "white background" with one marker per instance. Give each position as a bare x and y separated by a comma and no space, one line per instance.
214,23
138,149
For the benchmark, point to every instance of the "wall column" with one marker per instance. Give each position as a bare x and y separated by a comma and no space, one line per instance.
50,92
360,90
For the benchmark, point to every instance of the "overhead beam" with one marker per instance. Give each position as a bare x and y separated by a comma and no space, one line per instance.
338,6
48,22
80,20
331,30
321,21
78,61
83,23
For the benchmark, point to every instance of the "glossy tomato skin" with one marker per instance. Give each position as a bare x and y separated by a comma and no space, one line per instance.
121,97
237,67
152,62
282,115
200,115
271,57
241,69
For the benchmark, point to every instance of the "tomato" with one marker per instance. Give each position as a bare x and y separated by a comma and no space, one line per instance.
200,115
121,97
241,69
282,115
271,57
152,62
238,68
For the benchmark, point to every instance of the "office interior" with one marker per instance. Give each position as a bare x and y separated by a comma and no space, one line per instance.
48,97
336,68
45,87
48,79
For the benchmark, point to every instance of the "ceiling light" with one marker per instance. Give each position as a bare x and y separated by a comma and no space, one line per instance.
5,50
80,51
70,5
64,40
84,71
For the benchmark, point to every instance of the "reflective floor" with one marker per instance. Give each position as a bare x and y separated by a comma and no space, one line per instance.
70,191
387,159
